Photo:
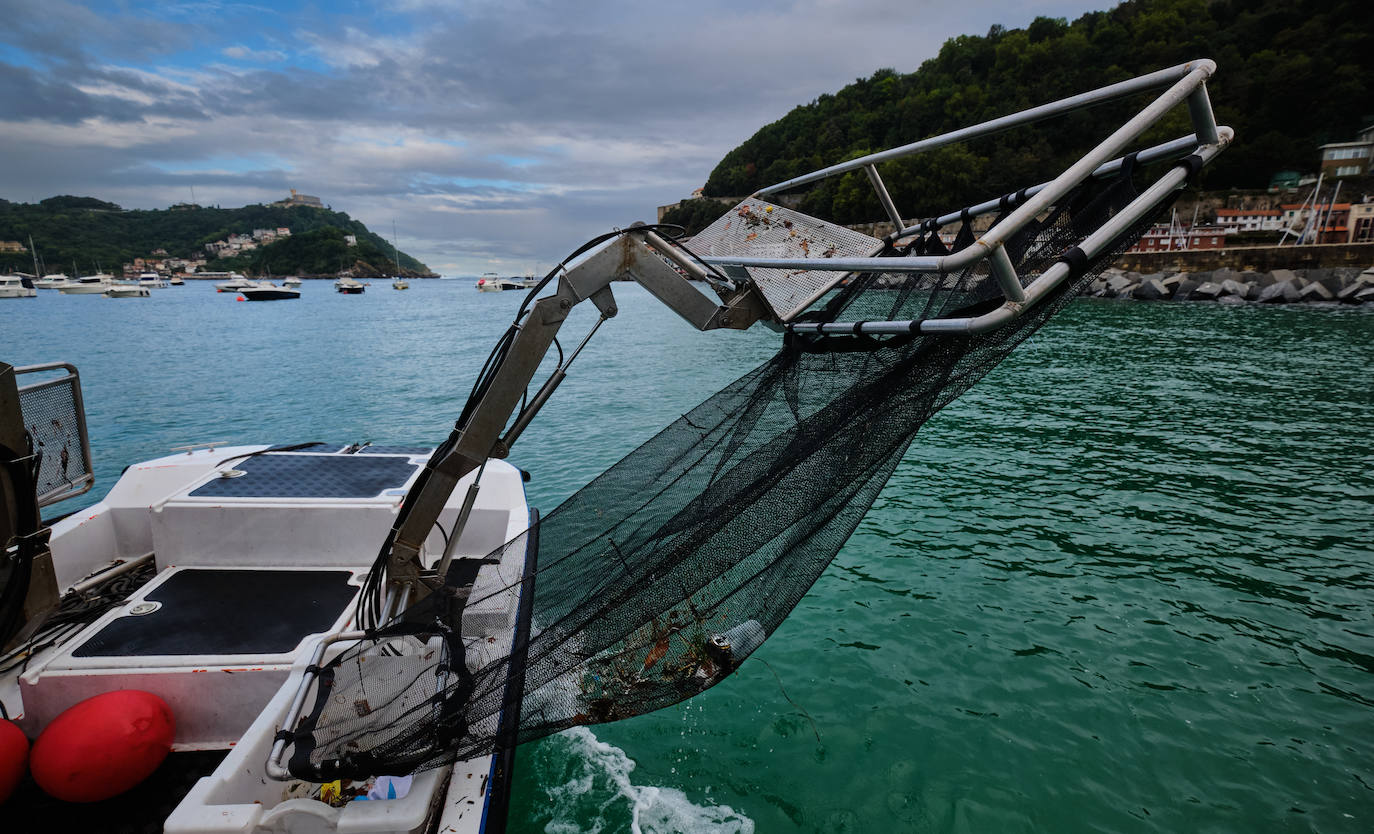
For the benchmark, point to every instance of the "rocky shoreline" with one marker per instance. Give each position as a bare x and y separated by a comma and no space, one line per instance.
1346,285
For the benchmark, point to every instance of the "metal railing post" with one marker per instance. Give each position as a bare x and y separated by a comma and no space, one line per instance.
883,197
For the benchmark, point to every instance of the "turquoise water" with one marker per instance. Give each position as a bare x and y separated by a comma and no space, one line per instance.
1125,584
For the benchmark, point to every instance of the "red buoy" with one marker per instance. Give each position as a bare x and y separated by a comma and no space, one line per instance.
103,746
14,758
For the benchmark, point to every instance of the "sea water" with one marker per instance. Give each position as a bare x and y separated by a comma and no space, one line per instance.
1124,584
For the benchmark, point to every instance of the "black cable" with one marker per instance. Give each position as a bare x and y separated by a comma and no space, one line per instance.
291,448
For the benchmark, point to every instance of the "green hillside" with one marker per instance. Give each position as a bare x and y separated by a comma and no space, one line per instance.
1293,74
88,232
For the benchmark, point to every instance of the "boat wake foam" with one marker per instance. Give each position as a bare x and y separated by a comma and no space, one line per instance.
596,794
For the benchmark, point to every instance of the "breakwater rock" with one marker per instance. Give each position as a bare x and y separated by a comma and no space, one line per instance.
1346,285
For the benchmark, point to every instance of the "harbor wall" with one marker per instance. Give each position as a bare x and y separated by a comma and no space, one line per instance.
1252,258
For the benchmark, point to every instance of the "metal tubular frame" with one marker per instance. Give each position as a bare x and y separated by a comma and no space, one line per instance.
1168,150
1186,82
274,768
1102,95
1092,245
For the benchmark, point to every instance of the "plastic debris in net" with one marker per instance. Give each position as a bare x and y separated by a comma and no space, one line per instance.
662,575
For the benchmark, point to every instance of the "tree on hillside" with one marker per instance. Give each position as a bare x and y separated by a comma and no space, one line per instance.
1293,74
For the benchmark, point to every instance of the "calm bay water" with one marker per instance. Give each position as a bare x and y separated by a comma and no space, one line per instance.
1125,584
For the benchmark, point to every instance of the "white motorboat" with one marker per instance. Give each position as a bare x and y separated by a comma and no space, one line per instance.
176,280
348,286
235,283
89,284
123,290
152,281
224,574
491,282
291,281
17,286
54,281
267,291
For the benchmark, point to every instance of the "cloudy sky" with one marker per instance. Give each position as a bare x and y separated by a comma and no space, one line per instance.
496,134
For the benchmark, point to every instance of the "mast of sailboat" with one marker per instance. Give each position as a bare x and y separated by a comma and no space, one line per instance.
1288,227
1314,212
1330,207
34,252
395,253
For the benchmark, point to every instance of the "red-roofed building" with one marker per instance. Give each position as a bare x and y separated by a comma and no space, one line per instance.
1333,220
1161,238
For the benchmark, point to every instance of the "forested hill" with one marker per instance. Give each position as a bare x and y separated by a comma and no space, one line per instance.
88,232
1292,74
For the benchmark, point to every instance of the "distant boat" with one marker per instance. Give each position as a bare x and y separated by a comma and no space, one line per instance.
348,286
152,281
397,282
291,281
491,282
267,291
55,281
89,284
176,280
235,283
127,291
17,286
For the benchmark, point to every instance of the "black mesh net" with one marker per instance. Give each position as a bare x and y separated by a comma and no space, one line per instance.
658,578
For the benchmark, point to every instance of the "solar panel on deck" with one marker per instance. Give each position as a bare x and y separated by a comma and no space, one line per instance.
216,611
310,476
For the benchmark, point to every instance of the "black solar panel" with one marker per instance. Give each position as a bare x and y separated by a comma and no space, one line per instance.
311,476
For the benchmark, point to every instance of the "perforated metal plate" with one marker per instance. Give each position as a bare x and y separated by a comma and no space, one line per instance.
760,229
55,419
311,476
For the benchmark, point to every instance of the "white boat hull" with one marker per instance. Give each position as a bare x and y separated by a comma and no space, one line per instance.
237,700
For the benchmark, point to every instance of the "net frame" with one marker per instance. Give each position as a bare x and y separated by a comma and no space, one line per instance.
675,564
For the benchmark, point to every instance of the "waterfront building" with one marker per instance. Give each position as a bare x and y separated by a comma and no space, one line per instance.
1349,159
1333,220
1162,237
1249,220
1361,223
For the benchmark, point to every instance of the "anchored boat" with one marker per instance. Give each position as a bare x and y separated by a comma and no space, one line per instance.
349,286
267,291
403,610
89,285
236,283
17,286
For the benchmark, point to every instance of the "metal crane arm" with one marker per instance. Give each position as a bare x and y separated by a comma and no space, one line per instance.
640,255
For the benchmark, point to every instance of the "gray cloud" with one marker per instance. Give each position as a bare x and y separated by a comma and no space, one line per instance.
496,135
